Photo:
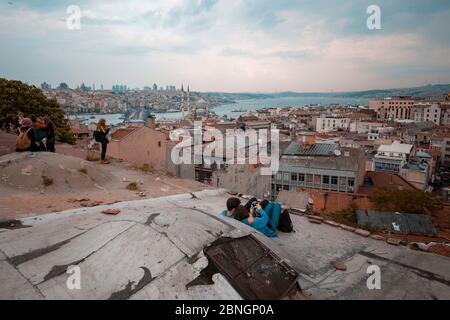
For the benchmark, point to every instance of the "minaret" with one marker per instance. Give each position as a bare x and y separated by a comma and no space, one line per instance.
182,100
189,100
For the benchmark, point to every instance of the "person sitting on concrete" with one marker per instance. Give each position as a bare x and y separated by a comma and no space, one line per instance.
256,218
272,209
232,205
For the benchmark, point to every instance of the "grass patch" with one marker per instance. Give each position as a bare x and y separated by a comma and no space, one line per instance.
83,170
47,181
147,168
132,186
169,174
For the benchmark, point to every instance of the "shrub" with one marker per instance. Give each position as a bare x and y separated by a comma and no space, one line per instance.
132,186
346,216
47,181
406,201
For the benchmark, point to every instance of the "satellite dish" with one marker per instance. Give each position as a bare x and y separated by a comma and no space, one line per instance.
337,152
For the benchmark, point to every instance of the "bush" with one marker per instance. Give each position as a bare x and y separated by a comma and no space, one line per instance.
406,201
346,216
47,181
132,186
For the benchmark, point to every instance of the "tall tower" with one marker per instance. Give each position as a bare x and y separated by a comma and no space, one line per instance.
182,100
189,100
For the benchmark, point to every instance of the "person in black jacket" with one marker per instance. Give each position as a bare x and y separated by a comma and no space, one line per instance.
103,131
49,134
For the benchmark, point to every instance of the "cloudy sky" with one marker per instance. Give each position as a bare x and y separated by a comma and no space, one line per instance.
228,45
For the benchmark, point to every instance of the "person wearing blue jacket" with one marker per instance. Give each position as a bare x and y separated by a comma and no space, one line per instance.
257,218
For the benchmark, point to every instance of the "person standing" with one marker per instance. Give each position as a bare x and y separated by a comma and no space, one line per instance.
50,134
39,132
102,132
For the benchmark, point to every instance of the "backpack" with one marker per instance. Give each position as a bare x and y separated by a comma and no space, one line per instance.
23,142
97,136
285,222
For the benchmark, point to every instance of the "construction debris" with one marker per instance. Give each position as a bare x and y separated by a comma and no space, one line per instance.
112,212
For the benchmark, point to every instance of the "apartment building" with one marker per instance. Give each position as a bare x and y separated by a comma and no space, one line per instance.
396,108
327,167
429,112
391,158
330,123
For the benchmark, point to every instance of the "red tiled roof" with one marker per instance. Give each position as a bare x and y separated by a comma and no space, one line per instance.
385,180
122,133
79,131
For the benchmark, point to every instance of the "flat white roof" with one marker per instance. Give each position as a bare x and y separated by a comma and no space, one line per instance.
396,147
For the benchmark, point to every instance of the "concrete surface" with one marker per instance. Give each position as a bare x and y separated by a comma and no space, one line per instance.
153,248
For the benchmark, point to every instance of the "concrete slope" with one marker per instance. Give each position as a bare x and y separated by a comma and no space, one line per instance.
153,248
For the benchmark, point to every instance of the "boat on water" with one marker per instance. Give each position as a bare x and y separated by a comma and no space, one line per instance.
92,117
238,110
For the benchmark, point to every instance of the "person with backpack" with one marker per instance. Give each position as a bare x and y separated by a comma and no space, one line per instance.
49,134
101,136
26,140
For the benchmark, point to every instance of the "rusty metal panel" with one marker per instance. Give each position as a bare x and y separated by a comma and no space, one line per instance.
253,270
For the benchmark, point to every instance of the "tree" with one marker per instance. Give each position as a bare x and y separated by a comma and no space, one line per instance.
405,201
16,96
63,85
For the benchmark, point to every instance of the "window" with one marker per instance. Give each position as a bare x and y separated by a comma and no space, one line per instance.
286,176
279,176
301,177
286,188
159,144
294,177
334,180
326,179
351,182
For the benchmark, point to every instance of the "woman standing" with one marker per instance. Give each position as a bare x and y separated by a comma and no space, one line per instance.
50,134
102,132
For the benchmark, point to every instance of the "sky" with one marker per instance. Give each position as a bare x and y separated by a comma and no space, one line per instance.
228,45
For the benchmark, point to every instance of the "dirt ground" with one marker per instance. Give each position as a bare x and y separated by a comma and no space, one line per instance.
72,182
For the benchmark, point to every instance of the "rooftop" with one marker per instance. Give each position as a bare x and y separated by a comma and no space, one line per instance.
396,147
153,248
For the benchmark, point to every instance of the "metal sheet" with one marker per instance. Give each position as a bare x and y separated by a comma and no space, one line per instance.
253,269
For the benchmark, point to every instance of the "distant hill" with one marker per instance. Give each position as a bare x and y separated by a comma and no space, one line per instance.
424,91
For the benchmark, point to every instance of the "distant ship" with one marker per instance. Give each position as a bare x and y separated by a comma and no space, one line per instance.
238,110
172,111
92,117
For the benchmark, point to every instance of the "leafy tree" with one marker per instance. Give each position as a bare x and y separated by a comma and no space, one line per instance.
405,201
16,96
63,85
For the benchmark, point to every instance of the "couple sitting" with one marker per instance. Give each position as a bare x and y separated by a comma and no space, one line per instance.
263,216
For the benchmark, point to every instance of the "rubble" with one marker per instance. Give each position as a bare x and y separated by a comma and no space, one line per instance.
112,212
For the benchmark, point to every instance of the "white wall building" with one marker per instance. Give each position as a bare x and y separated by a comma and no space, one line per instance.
327,123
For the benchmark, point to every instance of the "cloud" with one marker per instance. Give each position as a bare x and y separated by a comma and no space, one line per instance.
233,45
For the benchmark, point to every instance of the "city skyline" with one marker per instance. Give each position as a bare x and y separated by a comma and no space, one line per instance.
227,46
